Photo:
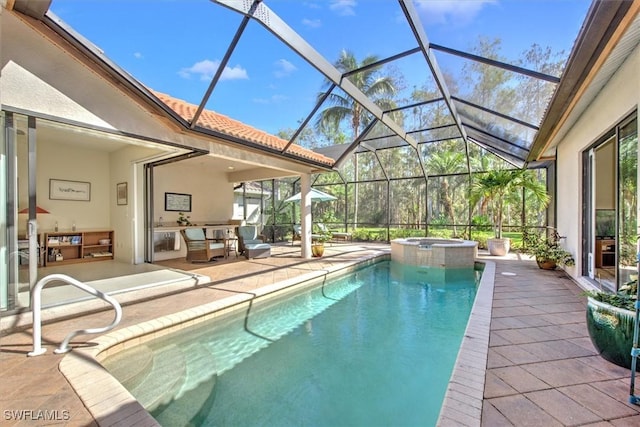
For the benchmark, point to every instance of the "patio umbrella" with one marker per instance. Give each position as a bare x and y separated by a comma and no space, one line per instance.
316,195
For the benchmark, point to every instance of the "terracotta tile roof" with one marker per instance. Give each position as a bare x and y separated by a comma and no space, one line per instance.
223,124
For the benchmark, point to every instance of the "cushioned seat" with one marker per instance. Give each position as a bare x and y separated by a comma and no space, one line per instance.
335,235
257,250
247,235
341,236
199,248
297,234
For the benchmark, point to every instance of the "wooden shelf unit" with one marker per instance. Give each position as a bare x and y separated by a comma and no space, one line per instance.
77,246
605,253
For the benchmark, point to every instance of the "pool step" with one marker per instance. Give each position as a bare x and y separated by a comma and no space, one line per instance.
201,367
195,398
165,377
130,366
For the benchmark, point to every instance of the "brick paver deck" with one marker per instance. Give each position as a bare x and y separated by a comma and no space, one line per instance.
541,369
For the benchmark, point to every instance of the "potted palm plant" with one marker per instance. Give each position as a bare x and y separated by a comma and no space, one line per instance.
496,187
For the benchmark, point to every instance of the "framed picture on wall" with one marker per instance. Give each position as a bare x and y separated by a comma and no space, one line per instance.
62,189
121,193
177,202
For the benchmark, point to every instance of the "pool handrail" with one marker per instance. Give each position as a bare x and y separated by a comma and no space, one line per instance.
37,321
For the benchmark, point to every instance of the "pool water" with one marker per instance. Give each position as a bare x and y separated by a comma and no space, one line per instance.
376,347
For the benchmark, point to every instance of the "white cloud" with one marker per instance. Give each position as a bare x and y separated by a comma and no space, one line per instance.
283,68
137,55
311,23
207,68
451,12
343,7
273,99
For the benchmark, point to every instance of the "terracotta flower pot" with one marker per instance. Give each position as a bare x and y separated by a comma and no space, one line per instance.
546,264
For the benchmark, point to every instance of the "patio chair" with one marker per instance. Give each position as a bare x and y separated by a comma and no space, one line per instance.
335,235
199,248
248,235
297,233
338,235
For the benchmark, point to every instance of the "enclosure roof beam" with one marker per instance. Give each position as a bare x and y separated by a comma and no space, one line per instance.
504,155
382,61
416,104
412,132
507,142
499,64
495,113
421,37
309,116
275,25
224,61
354,144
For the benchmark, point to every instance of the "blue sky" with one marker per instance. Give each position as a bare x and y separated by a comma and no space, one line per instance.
175,46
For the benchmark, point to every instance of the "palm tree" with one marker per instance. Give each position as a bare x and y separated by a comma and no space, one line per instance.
497,185
380,89
442,163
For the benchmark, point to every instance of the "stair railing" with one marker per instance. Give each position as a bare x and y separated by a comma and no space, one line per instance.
37,321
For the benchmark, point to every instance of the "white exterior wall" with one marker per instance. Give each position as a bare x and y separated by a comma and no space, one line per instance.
617,99
211,194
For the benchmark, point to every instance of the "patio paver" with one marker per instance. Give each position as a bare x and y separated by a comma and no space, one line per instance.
541,369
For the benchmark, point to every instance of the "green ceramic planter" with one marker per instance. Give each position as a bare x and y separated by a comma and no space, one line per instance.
611,332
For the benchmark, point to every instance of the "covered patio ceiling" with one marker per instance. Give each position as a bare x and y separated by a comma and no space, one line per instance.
465,92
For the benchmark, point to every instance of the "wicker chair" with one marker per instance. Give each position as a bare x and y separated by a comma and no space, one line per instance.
199,248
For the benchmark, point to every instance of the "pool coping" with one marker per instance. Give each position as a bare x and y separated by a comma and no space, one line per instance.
462,403
110,403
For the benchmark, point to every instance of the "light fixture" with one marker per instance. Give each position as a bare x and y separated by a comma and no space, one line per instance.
39,210
230,168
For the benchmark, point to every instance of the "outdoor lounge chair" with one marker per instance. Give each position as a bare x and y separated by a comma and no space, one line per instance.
335,235
248,236
199,248
297,234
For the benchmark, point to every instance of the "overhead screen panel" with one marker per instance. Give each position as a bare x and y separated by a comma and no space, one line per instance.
281,62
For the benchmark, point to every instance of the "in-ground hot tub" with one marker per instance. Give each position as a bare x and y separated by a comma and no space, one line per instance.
434,252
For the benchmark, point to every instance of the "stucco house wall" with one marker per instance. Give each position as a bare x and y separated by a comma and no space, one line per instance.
617,99
211,194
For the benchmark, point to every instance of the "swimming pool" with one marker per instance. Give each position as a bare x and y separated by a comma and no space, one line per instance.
375,347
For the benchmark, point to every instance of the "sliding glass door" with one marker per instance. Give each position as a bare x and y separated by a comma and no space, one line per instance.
19,249
627,200
611,207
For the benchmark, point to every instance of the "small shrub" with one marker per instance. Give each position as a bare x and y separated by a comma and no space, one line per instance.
481,223
481,239
625,298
